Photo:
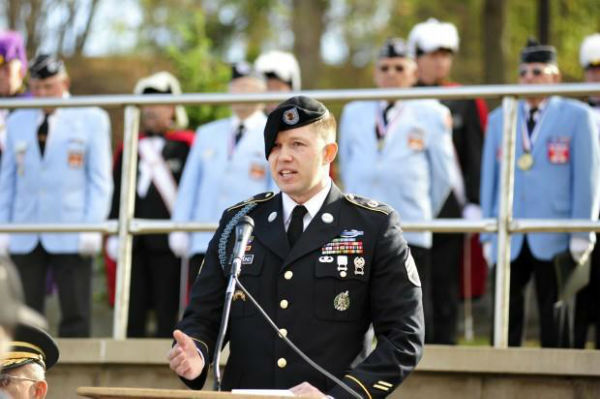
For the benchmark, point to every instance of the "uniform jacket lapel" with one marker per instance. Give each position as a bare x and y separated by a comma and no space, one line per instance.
271,233
318,231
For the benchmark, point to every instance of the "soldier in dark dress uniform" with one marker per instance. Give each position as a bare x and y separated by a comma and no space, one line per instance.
322,263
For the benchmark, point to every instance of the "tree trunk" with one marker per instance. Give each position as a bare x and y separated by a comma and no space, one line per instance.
308,24
13,11
494,18
82,38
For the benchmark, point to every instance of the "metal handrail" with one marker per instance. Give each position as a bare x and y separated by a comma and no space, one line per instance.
129,226
443,93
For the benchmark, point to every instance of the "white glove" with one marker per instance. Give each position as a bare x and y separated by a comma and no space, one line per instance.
90,243
4,243
112,247
580,249
179,243
487,253
471,212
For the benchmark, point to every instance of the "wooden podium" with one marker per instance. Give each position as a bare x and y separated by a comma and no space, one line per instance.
143,393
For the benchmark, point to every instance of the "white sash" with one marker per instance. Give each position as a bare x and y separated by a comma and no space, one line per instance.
153,165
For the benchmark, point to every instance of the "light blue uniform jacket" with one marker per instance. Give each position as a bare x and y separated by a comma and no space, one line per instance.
413,172
72,183
215,178
562,183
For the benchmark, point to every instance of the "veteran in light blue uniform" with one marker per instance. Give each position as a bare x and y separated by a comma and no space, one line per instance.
226,165
556,177
400,153
56,169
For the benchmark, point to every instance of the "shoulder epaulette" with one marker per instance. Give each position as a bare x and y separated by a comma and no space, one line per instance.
369,204
262,197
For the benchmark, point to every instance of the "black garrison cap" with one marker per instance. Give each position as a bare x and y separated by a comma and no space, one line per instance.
30,345
394,47
293,113
45,66
536,52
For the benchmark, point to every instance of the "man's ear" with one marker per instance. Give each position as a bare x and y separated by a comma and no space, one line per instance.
40,389
330,150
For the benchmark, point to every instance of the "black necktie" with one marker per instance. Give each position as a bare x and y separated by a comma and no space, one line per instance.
42,134
238,133
531,120
296,226
390,105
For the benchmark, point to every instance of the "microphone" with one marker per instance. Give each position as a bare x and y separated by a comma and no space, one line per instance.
243,230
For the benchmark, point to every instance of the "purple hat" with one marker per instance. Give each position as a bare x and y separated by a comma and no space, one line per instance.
12,48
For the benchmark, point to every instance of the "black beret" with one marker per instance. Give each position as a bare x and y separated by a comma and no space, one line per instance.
30,345
536,52
293,113
45,66
394,47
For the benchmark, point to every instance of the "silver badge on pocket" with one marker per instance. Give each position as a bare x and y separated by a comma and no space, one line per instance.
341,302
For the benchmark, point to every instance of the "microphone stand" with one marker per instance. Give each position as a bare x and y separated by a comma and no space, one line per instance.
236,266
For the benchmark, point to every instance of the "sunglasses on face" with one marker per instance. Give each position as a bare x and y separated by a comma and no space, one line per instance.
534,71
7,379
397,68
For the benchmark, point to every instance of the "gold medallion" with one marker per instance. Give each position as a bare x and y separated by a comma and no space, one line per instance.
342,301
525,161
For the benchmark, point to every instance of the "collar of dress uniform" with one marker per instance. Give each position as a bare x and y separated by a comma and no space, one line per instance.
313,205
256,120
540,108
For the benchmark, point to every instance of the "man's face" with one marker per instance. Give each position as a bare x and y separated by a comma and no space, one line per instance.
54,86
299,160
395,72
11,78
592,74
538,73
434,67
157,118
20,384
246,85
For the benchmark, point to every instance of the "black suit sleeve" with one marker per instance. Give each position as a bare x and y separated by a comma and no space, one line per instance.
397,313
116,197
202,318
469,146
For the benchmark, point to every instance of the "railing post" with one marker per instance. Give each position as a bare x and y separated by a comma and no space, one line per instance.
507,177
126,212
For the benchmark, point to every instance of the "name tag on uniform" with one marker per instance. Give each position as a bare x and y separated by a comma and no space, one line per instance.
416,140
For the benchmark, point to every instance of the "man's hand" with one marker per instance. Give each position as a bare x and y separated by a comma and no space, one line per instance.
184,358
305,389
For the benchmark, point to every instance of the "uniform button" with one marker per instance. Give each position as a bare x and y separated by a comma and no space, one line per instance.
281,362
283,332
288,275
284,304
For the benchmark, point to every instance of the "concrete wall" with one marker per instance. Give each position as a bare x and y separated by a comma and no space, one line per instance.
445,372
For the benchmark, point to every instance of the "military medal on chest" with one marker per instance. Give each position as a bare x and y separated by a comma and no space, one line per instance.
341,302
525,161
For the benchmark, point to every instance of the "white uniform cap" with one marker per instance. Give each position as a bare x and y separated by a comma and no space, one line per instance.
432,35
163,82
589,54
282,65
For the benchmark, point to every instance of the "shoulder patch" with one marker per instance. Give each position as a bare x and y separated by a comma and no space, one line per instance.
262,197
369,204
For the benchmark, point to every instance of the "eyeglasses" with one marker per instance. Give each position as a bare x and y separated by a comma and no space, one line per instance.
397,68
6,379
536,71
